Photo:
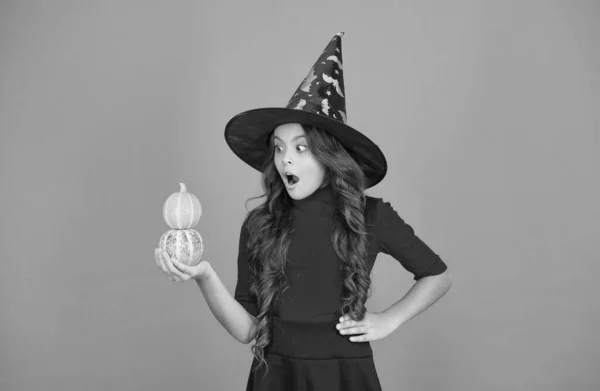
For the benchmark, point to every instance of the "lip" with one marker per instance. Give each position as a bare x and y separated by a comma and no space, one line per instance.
287,185
290,187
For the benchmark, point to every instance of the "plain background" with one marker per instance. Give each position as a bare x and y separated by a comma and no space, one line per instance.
487,113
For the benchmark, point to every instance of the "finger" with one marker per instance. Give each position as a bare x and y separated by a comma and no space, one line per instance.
354,330
347,318
180,266
348,323
172,269
156,258
161,262
168,261
360,338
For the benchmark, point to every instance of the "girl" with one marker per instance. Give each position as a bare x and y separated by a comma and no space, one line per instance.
306,254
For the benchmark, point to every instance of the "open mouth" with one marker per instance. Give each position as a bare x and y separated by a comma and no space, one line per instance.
291,179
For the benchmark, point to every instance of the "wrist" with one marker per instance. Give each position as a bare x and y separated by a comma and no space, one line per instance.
392,318
208,273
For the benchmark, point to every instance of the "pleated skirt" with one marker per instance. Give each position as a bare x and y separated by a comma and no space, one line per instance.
314,356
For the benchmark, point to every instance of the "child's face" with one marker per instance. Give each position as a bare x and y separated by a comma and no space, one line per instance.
293,156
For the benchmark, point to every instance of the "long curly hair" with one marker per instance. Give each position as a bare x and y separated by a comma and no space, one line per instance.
270,228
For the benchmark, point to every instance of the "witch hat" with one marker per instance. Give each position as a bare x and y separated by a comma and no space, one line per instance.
320,101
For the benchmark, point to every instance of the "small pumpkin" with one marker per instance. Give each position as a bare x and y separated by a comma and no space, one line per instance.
185,245
182,210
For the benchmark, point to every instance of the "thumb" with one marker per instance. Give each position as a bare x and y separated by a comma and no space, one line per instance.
182,267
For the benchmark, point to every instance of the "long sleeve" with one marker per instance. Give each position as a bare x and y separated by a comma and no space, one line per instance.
396,238
242,291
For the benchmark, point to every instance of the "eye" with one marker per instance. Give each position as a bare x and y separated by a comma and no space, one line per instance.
302,146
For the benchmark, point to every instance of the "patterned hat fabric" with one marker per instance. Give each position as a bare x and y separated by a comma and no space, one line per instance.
320,101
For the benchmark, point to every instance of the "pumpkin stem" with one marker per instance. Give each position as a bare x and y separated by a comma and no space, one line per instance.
183,189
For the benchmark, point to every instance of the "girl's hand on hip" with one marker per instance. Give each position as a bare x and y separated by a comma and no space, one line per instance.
177,271
373,326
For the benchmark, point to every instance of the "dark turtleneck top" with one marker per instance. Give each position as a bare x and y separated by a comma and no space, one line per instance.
313,270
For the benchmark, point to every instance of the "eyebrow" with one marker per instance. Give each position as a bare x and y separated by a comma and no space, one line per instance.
295,138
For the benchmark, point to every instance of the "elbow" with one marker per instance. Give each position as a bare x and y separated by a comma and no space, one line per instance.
252,331
248,339
243,339
443,279
447,279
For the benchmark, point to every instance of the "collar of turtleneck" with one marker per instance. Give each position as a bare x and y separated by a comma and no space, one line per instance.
320,201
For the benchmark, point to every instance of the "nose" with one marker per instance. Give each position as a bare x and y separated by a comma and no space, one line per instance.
286,158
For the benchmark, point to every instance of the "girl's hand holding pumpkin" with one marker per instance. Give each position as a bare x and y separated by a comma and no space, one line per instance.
177,271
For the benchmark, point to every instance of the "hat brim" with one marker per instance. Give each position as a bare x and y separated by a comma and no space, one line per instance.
247,136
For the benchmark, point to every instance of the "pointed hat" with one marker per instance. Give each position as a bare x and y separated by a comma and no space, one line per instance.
320,101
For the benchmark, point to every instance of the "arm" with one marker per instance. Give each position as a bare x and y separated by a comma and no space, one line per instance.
423,294
228,311
398,239
235,313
